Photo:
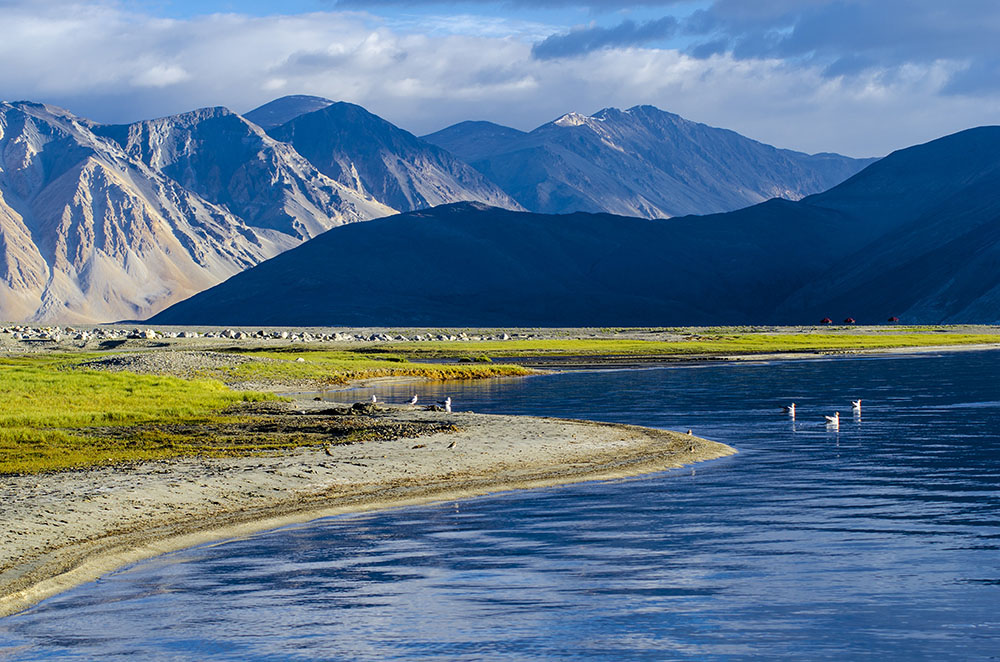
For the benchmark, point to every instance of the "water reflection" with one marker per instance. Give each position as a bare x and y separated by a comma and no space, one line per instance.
877,540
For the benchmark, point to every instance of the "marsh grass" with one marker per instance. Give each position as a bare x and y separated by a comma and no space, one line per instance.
48,413
340,367
694,343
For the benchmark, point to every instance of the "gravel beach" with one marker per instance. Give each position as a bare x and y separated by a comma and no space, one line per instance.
61,529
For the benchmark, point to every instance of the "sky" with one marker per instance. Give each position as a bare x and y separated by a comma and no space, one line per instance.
858,77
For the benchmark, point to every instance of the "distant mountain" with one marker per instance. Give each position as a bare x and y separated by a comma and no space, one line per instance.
916,235
277,112
640,162
92,229
473,141
363,151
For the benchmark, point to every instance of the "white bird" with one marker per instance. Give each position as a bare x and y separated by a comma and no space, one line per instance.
413,400
833,420
374,399
856,406
447,404
790,410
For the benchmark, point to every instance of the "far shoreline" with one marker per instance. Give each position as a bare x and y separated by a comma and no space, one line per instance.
640,362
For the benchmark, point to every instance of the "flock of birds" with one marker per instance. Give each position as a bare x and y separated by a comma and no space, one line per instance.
832,421
446,403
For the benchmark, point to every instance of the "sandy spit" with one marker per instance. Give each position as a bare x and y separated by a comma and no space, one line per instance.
60,530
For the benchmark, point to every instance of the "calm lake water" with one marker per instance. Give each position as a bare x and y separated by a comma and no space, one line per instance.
875,542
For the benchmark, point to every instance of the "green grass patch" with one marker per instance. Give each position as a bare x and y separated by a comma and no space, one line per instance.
339,367
701,343
48,414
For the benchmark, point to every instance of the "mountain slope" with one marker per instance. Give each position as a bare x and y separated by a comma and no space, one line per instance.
90,233
364,152
916,234
229,161
642,162
472,141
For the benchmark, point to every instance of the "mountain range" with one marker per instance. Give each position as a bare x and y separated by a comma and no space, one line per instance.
639,162
914,235
106,222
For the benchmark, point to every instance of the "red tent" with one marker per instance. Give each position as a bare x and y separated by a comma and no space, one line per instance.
826,320
849,320
893,319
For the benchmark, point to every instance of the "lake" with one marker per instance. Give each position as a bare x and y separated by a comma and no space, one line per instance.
876,541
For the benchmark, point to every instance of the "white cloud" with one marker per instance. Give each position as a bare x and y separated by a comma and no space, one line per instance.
112,65
160,75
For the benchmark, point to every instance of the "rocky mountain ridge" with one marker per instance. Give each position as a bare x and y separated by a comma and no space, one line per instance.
92,232
639,162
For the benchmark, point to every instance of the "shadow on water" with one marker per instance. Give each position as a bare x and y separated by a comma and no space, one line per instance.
878,540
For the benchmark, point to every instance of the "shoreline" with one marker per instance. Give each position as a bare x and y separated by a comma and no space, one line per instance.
545,364
64,529
52,540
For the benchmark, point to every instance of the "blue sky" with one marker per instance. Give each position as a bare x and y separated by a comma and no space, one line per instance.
860,77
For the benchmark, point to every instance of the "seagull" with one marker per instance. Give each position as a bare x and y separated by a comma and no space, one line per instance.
856,406
447,404
374,399
790,410
833,420
413,400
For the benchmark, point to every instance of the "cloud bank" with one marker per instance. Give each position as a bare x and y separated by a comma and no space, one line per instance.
794,74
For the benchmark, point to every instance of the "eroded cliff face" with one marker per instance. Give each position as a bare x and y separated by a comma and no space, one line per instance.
106,223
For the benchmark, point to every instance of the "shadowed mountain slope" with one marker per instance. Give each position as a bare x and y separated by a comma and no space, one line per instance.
639,162
277,112
914,235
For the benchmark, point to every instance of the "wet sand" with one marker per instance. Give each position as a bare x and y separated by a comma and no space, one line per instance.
62,529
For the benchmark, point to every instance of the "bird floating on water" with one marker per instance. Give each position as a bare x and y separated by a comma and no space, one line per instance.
374,399
790,410
413,400
856,406
833,420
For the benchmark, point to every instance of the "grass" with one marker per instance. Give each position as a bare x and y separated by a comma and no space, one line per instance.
701,343
340,367
55,415
50,416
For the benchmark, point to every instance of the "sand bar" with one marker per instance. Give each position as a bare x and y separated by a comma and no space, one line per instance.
62,529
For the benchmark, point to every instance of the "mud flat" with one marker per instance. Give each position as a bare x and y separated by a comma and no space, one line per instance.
62,529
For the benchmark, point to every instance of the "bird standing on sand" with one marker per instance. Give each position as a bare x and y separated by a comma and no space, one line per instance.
833,421
447,404
413,400
374,399
790,410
